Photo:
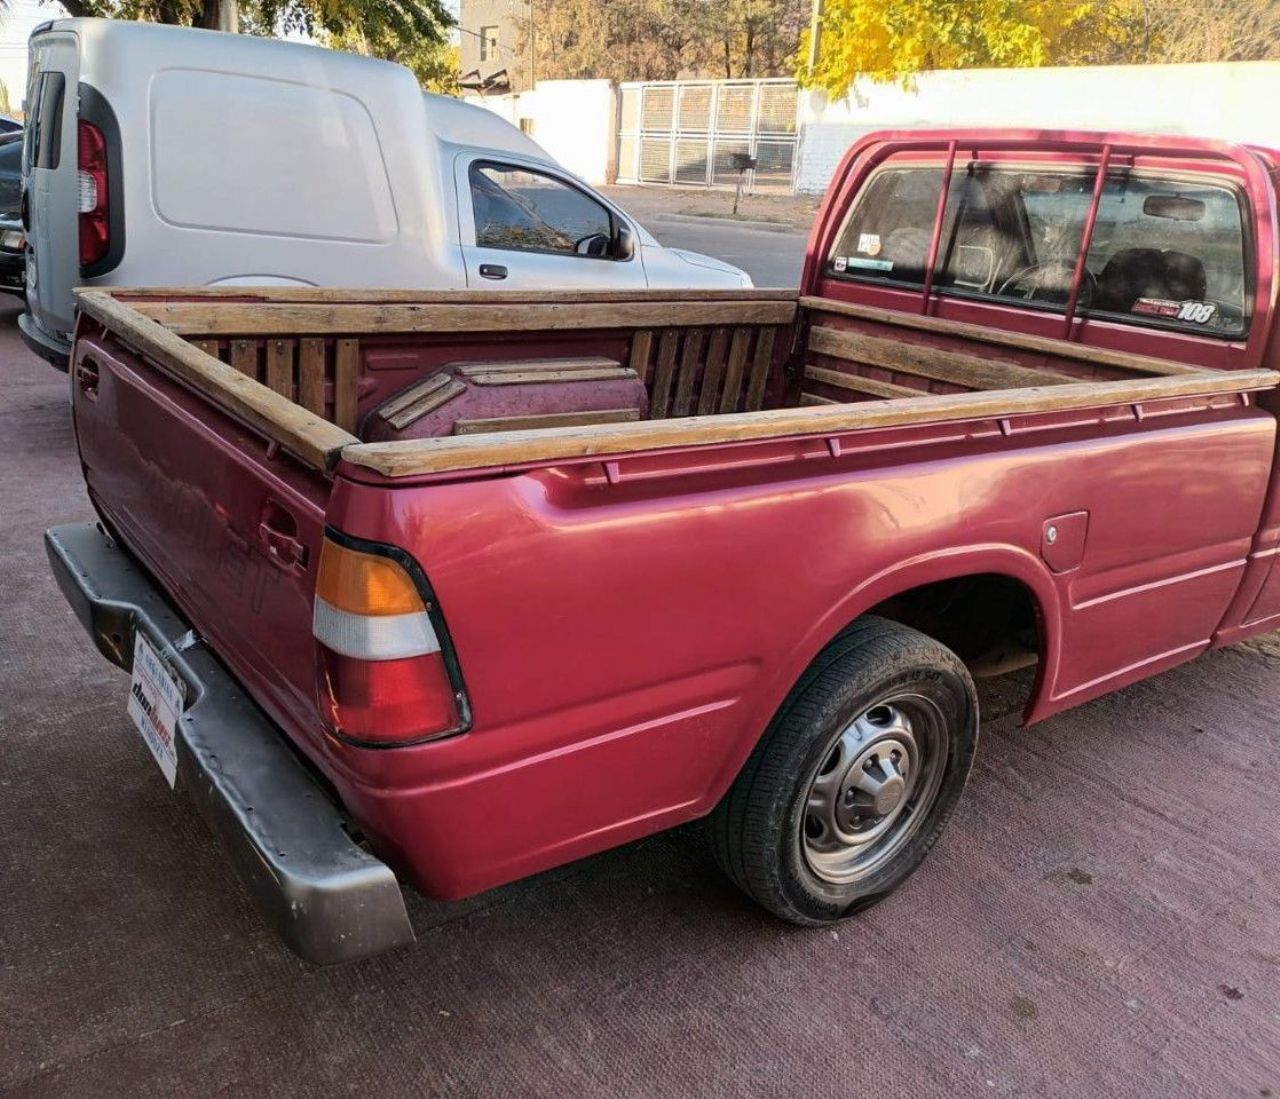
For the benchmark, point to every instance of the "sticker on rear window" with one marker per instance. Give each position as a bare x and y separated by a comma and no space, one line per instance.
1194,312
869,243
840,263
870,264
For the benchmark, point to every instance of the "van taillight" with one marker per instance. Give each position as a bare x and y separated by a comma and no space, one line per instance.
95,195
381,673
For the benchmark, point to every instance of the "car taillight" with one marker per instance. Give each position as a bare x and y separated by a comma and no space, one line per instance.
381,674
95,195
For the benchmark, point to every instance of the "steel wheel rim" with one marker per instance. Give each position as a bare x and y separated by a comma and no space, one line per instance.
873,788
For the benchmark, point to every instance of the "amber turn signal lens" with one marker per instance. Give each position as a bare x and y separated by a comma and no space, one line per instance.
364,583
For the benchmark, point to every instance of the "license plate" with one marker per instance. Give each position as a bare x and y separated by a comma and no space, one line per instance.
155,702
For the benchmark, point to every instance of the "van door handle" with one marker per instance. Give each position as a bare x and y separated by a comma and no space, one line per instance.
493,271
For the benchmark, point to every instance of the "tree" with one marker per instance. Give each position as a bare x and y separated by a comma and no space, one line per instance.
892,40
402,22
436,64
1213,30
662,39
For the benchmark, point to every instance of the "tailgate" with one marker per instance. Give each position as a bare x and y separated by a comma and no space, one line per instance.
228,523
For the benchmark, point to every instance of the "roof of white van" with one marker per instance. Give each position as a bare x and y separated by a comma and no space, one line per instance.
450,120
466,124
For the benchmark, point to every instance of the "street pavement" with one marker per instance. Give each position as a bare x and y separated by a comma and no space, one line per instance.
772,256
1100,919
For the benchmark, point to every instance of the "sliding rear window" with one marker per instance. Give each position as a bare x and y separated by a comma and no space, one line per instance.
1165,252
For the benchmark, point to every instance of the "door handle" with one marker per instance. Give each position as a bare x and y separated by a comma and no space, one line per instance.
284,549
87,377
25,207
493,271
278,533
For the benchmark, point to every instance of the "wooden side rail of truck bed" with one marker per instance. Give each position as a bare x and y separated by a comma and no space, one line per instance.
720,367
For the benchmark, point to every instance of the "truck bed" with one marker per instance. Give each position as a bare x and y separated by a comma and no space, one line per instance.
311,369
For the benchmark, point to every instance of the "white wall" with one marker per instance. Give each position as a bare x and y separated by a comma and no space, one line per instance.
574,120
1236,102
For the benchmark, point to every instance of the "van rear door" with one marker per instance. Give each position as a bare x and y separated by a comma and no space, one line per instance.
51,189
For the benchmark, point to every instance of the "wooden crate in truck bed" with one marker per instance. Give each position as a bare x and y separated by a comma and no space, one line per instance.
310,368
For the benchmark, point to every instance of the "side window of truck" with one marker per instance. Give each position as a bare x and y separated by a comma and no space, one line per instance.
527,211
1164,252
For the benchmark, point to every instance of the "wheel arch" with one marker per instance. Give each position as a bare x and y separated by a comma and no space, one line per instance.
872,593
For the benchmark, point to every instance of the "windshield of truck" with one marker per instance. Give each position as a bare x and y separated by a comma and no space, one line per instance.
1165,251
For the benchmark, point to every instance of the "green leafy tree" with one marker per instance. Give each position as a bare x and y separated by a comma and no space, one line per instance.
401,22
436,64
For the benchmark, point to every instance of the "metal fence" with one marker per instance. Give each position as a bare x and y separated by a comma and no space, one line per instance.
685,132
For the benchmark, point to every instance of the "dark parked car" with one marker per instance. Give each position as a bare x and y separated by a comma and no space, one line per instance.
13,240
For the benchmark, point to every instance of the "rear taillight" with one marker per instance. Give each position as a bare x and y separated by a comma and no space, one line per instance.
381,674
95,195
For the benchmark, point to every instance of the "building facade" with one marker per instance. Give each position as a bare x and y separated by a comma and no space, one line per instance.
496,44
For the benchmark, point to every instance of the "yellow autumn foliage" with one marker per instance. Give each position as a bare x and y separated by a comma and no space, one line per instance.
891,40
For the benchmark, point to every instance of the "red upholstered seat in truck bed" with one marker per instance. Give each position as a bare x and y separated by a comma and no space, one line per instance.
465,398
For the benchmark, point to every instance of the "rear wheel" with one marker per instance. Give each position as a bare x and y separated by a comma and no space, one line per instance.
855,779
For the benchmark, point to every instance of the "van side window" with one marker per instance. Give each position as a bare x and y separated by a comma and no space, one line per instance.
46,137
527,211
1164,252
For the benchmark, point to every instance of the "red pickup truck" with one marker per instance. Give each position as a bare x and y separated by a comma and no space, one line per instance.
447,589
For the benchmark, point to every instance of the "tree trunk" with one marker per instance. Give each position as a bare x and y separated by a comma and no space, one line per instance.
219,15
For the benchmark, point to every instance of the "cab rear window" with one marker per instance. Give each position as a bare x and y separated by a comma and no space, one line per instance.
1164,251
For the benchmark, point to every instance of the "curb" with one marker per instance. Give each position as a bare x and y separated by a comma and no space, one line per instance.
766,226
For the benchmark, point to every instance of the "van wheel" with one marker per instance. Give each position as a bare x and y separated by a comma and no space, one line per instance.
854,780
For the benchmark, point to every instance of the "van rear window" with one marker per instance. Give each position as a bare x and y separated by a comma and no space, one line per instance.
46,137
1165,251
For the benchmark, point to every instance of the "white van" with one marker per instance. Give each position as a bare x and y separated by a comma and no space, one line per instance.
170,156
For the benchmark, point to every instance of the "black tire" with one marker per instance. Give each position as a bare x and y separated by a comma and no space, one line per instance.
758,830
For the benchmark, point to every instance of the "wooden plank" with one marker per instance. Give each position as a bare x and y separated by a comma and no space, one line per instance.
521,366
760,364
690,368
545,420
311,376
365,295
203,318
346,376
956,367
733,372
244,357
641,349
427,397
421,456
505,377
810,400
313,440
415,392
280,366
858,384
709,394
1045,345
209,347
667,346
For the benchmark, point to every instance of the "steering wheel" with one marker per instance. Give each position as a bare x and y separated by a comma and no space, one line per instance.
1049,282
